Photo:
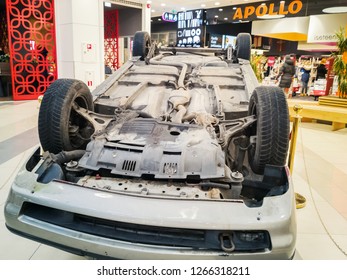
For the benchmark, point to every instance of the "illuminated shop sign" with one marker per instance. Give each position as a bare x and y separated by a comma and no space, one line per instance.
268,9
190,26
169,17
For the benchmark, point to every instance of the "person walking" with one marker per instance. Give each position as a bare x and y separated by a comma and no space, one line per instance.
286,74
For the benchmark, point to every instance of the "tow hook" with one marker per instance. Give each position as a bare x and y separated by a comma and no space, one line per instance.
226,242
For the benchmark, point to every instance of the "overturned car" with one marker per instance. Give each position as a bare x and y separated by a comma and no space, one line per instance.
179,154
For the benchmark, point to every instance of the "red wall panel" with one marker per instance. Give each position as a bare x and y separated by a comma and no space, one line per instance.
31,30
111,38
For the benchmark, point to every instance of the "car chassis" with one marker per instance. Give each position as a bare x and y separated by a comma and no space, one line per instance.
177,155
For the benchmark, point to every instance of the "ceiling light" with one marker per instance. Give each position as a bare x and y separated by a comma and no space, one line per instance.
335,10
183,8
225,18
270,16
203,5
153,11
216,16
149,2
234,8
159,19
163,4
108,4
217,3
220,10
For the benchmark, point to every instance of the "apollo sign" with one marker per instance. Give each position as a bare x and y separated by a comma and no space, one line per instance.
243,13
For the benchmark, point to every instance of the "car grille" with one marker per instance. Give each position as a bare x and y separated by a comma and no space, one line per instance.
143,234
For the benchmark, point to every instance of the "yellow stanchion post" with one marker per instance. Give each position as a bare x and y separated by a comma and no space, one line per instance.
294,135
300,200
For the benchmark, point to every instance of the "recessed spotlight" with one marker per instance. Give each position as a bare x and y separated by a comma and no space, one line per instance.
225,18
335,10
220,10
183,8
159,19
234,8
216,16
153,11
163,4
203,5
217,3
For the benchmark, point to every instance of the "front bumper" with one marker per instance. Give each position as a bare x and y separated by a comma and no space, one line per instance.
276,216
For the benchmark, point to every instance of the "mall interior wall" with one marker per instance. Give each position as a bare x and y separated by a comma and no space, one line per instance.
80,37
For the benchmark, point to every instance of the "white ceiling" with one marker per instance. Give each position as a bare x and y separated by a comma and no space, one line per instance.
178,5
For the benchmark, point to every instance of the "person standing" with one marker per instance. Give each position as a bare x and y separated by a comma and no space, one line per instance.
305,77
286,74
321,70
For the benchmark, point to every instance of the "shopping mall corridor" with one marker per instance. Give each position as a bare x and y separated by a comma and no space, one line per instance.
320,175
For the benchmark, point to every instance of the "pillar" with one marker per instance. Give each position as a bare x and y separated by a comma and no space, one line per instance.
146,18
80,40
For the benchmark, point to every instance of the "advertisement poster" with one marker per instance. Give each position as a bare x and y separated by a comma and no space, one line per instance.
216,41
190,28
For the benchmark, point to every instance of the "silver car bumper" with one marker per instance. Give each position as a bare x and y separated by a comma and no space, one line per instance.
276,216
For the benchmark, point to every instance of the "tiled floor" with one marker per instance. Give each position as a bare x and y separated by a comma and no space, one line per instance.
320,174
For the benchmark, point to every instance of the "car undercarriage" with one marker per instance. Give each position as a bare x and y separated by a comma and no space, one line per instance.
186,132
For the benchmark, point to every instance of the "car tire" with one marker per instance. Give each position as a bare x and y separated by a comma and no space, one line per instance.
60,127
141,45
271,129
243,46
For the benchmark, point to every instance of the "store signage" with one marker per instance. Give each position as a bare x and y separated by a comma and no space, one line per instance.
322,28
169,17
190,26
243,13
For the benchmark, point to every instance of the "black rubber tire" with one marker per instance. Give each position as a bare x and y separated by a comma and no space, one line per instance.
60,127
271,129
243,46
141,45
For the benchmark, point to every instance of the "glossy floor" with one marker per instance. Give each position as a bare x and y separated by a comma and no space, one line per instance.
320,175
